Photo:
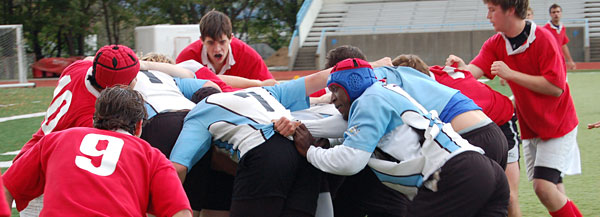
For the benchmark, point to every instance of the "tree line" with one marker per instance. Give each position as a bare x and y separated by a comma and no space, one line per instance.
58,28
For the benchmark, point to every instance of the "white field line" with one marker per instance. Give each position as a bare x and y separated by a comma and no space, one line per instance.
16,117
7,164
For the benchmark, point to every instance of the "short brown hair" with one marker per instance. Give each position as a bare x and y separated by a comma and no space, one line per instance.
554,6
412,61
157,57
214,24
119,107
520,6
341,53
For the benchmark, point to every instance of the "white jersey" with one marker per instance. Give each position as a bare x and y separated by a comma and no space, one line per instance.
237,121
161,92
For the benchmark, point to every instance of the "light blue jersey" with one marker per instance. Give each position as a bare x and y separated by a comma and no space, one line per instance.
428,92
236,121
387,121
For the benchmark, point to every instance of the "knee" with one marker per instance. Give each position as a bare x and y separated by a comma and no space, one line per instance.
542,190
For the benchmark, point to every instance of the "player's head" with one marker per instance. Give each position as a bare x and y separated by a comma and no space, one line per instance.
204,92
215,33
341,53
503,13
413,61
157,57
555,13
529,13
120,107
114,65
348,80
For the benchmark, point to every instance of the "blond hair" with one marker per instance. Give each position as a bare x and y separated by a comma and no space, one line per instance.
157,57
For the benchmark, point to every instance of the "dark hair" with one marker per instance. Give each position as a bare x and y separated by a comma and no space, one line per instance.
202,93
214,24
520,6
412,61
119,107
341,53
554,6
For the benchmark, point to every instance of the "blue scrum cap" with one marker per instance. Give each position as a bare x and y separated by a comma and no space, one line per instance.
353,75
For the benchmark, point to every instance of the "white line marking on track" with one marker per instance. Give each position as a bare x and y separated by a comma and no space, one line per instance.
16,117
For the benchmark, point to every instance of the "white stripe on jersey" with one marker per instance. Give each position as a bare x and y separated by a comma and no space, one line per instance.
161,92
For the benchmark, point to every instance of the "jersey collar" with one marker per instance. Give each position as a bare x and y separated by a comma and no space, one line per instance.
88,85
228,63
557,29
524,46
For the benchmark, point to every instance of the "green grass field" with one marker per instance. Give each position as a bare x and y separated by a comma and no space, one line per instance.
583,189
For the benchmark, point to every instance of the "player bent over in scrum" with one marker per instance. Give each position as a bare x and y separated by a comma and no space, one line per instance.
272,179
396,137
85,180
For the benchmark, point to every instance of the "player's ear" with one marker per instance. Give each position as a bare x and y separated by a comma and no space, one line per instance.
138,128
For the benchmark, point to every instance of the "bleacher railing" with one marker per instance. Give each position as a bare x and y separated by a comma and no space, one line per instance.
445,27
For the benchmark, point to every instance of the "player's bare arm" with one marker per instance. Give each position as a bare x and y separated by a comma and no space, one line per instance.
181,171
386,61
537,84
594,125
460,64
170,69
570,62
183,213
8,196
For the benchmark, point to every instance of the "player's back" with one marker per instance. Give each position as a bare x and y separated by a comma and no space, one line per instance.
72,104
161,91
241,118
91,172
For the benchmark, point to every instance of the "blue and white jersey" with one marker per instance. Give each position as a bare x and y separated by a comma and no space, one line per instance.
404,144
237,121
163,92
428,92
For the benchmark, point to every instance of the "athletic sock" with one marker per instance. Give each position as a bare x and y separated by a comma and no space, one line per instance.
565,211
575,209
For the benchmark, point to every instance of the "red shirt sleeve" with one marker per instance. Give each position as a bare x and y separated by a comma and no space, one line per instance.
25,179
487,55
166,192
4,207
550,63
565,38
206,74
248,63
191,52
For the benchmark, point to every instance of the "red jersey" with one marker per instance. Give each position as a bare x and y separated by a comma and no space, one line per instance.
4,208
495,105
247,63
90,172
72,104
540,116
560,34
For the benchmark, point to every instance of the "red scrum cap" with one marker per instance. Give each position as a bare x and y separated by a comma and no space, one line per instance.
115,64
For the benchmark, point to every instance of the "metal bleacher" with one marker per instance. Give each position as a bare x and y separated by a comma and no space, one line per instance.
387,16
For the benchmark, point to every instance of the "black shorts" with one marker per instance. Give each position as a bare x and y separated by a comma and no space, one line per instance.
470,185
364,194
204,187
511,133
275,169
491,139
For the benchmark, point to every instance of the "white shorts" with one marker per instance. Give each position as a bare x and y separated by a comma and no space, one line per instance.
560,153
513,154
